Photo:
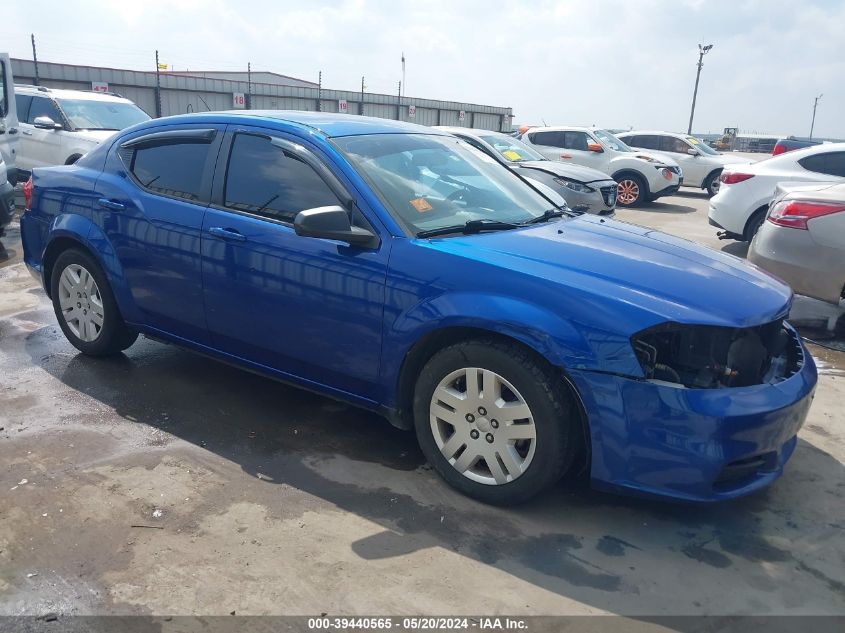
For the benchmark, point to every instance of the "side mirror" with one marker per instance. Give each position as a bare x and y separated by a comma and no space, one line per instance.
332,223
594,147
693,152
46,123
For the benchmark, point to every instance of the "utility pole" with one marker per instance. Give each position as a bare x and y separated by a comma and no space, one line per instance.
702,51
158,88
361,109
34,58
320,91
399,103
403,73
249,85
813,124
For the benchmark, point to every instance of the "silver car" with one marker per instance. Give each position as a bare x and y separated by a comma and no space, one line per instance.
802,240
584,189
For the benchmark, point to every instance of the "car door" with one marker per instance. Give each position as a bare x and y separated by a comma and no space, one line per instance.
40,147
307,307
8,115
152,196
577,147
548,142
695,168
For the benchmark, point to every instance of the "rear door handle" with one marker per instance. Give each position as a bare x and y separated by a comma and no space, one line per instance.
13,130
111,204
27,132
226,234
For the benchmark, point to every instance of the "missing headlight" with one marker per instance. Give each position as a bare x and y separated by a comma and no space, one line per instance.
710,357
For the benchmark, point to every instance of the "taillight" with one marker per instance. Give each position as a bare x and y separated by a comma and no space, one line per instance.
27,194
733,177
779,149
795,213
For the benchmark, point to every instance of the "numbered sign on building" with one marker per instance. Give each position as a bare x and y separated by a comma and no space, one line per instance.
238,100
99,86
412,111
342,106
462,115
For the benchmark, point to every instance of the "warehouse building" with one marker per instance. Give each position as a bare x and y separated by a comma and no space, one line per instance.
167,93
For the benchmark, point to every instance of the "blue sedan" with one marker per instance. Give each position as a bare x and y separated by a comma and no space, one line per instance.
398,268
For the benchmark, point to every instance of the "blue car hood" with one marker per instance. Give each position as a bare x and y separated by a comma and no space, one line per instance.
636,275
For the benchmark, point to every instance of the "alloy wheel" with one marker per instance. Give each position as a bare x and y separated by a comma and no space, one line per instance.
628,191
483,426
81,303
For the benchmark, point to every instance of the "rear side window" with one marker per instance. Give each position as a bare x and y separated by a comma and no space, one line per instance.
644,141
4,91
552,139
267,180
173,168
832,163
42,106
22,103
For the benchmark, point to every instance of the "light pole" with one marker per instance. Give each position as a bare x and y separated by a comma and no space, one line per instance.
813,124
702,51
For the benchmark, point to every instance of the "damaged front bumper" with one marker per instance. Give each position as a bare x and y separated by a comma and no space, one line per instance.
658,439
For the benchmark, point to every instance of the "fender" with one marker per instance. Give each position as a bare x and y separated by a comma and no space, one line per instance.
84,231
547,333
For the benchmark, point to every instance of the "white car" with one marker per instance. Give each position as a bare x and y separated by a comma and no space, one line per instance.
8,119
701,164
641,176
58,126
743,200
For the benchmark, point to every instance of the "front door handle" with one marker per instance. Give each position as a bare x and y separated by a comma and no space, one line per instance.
111,204
12,130
27,132
226,234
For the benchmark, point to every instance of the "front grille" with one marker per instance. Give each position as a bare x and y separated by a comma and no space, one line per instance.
743,470
608,194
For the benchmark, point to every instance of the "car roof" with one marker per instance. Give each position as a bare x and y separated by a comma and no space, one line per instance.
330,124
663,132
562,128
469,131
61,93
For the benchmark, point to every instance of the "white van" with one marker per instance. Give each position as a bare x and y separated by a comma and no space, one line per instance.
8,142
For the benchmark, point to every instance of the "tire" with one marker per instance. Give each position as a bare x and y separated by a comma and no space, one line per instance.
524,465
72,159
631,188
754,224
712,184
94,302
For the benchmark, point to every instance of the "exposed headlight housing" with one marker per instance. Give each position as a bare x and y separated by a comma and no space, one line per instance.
574,185
713,357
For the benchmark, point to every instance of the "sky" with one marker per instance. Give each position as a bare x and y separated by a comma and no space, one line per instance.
615,64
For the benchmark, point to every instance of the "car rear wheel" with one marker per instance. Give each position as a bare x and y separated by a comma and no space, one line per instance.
494,422
85,306
630,190
754,224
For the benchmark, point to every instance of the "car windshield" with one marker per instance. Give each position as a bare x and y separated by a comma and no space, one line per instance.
85,114
701,146
430,182
611,141
512,149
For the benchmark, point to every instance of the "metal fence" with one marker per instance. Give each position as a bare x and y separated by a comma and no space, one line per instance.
179,94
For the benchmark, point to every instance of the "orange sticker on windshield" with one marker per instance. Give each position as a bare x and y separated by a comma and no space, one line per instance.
421,205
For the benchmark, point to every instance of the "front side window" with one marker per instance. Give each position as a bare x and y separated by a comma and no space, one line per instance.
576,140
832,163
429,182
42,106
512,149
173,169
85,114
704,148
268,180
4,92
674,145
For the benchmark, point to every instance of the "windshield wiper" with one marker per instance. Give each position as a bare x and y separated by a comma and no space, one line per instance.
471,227
551,213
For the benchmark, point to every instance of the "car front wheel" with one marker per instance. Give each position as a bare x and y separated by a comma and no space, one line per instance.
630,191
85,306
494,422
